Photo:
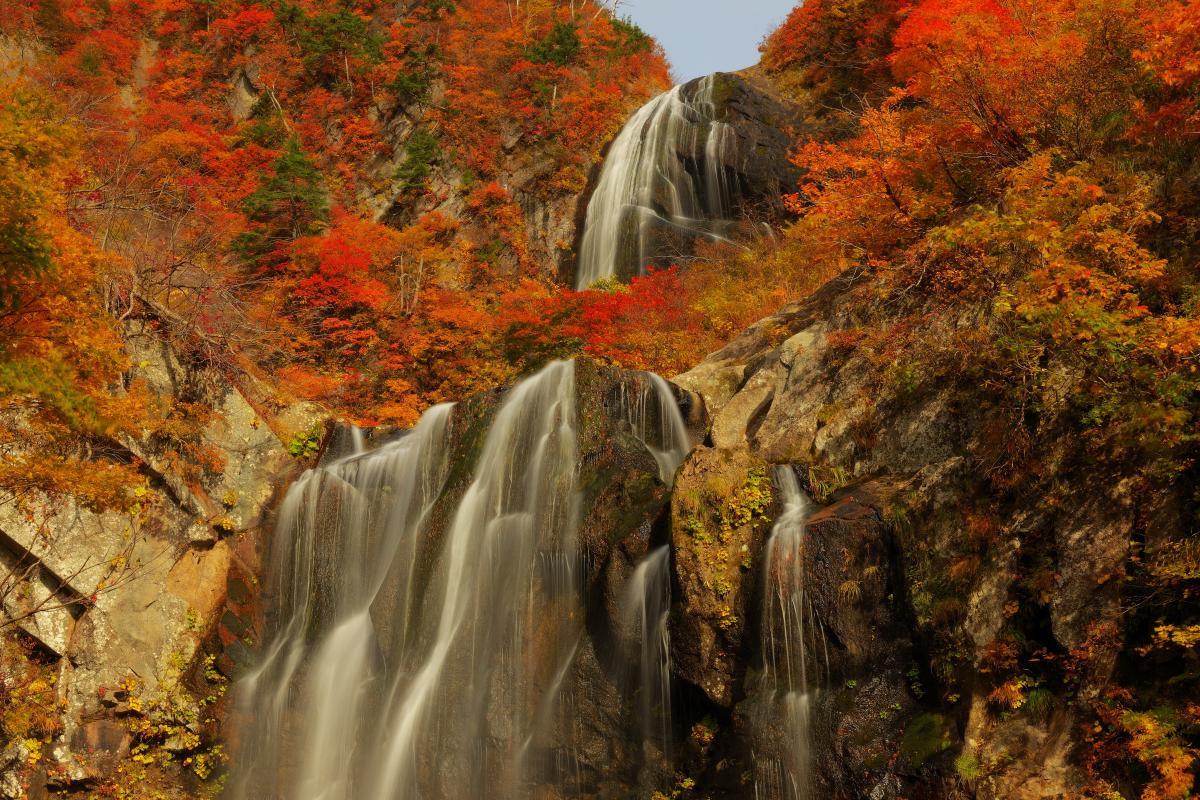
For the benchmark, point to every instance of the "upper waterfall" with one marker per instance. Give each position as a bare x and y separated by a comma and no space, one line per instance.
669,171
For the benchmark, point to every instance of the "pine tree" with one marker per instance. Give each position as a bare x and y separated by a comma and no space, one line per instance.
291,203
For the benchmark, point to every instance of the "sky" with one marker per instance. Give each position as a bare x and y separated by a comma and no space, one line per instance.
703,36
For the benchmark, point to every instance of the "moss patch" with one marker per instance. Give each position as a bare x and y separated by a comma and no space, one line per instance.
925,736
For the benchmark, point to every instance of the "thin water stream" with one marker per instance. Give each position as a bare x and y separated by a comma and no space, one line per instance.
794,650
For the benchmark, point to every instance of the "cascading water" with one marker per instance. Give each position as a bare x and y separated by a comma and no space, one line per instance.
646,605
509,559
793,650
427,624
362,513
667,172
653,413
655,418
403,666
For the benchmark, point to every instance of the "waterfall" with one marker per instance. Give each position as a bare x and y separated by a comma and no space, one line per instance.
508,561
322,658
646,606
650,408
652,412
405,667
793,650
665,174
425,616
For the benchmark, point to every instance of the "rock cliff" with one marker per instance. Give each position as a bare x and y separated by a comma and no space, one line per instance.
123,616
936,593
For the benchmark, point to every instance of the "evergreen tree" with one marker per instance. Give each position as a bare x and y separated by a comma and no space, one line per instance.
560,47
332,44
289,204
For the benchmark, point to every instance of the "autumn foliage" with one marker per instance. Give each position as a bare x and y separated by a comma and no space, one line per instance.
61,353
1020,162
338,195
223,171
1015,185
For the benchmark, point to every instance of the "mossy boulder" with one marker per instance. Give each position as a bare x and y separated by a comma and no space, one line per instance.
722,510
925,736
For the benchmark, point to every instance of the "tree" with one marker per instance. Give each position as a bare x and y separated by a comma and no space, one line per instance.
835,50
332,40
288,204
420,152
560,46
60,357
25,249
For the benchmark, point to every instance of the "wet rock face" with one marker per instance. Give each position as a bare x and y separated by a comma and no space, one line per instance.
868,707
764,127
919,573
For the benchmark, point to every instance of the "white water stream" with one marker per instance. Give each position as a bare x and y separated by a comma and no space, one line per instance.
647,605
427,626
653,413
794,650
667,170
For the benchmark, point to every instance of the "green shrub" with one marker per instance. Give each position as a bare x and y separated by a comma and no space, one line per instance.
306,444
633,39
967,767
560,47
420,153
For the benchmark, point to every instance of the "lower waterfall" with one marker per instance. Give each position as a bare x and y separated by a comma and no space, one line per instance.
423,643
793,650
432,629
340,530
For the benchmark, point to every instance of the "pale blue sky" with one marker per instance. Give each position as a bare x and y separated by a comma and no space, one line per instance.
703,36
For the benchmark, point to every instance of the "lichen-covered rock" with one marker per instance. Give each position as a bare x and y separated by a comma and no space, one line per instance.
129,599
721,511
1021,758
1095,542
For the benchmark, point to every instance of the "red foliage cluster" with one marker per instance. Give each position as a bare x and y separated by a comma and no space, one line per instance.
230,146
836,48
633,326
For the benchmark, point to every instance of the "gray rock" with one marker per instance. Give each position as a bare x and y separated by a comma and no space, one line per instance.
1095,543
780,393
133,594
